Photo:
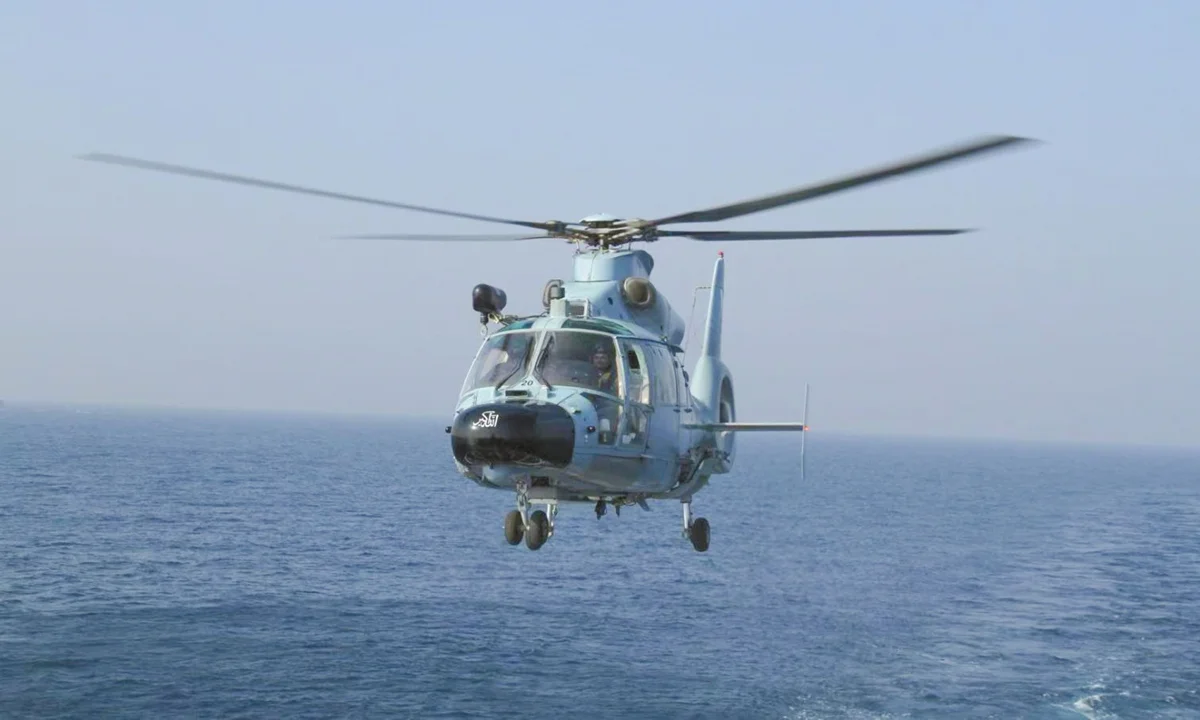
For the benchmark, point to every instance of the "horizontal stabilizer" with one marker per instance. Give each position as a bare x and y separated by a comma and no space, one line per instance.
801,427
744,426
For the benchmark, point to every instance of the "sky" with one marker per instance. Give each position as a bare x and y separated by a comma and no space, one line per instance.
1070,314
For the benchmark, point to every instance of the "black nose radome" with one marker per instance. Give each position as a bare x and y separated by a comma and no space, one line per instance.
540,434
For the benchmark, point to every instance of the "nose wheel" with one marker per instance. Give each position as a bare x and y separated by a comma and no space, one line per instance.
695,529
535,528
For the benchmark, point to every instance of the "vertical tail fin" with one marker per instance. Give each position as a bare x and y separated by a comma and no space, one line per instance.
716,300
712,383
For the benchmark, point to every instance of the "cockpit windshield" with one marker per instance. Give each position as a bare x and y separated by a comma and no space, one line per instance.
502,357
564,358
585,360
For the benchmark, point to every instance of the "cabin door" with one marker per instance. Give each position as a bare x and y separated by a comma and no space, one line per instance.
652,402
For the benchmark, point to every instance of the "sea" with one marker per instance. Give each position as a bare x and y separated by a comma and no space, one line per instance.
192,564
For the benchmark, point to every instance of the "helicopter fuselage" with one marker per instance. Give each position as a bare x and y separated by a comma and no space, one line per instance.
588,401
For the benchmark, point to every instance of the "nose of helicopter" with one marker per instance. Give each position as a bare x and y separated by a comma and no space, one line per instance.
508,433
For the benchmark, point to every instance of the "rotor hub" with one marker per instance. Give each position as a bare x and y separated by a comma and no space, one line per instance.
600,220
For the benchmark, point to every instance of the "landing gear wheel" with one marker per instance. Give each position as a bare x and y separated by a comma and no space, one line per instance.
537,532
514,527
698,534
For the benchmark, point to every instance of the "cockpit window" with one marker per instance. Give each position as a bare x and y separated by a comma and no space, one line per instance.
580,359
502,358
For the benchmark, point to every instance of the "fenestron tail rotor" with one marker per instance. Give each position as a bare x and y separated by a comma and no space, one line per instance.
613,232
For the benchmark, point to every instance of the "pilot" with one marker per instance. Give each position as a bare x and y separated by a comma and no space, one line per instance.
605,377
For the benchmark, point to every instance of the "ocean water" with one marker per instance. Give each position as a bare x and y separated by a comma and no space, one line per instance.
176,564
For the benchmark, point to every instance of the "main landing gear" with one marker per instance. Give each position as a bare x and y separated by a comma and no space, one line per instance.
696,529
535,528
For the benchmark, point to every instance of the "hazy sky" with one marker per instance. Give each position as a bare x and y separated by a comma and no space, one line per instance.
1072,314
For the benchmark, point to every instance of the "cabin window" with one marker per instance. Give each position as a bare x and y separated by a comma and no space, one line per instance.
662,373
580,359
681,380
636,423
638,380
502,358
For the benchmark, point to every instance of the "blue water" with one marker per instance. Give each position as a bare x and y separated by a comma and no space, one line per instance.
159,564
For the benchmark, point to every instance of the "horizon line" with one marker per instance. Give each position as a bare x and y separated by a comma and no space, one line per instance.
443,419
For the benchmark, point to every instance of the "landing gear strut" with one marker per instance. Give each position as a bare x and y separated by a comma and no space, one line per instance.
535,528
696,529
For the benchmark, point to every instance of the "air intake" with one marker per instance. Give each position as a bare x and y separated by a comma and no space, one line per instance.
638,292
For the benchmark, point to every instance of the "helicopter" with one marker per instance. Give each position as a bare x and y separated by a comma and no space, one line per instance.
588,400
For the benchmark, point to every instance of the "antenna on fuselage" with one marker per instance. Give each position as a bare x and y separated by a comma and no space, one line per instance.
804,433
695,297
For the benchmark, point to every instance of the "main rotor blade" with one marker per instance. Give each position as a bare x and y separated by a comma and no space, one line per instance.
914,164
447,238
226,177
801,234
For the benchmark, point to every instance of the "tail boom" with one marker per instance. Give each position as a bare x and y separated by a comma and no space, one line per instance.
748,426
